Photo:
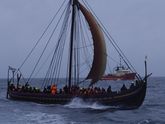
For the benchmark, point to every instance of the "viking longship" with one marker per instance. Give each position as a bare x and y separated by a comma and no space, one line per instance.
77,52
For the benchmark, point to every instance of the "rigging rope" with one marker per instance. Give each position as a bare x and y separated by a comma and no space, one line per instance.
45,47
55,64
120,52
84,42
42,35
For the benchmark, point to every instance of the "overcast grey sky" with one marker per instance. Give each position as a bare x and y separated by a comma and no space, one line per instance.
138,26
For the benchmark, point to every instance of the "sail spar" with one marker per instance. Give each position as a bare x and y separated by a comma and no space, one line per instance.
100,54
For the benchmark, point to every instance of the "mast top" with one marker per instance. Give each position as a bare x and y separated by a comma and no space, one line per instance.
74,2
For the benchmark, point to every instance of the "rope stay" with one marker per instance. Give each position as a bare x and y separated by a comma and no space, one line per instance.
55,64
42,35
112,41
82,48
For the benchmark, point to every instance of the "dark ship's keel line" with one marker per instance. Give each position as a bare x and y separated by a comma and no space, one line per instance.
132,98
75,56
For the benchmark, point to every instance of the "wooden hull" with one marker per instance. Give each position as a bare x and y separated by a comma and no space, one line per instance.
130,99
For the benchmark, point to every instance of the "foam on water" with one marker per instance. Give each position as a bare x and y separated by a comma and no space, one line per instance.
79,103
80,112
146,121
43,118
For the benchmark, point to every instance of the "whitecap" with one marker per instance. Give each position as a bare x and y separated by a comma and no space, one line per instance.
43,118
146,121
79,103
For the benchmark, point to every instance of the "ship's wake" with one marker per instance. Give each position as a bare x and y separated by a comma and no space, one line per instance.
79,103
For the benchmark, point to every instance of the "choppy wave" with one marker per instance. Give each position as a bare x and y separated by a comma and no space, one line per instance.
43,118
79,112
79,103
150,121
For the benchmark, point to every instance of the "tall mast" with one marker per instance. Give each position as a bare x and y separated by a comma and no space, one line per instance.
74,3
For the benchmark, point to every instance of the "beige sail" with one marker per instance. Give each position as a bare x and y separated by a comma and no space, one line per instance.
100,56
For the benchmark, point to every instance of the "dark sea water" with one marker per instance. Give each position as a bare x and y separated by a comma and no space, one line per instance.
77,112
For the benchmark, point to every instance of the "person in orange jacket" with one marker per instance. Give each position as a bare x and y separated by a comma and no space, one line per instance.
53,89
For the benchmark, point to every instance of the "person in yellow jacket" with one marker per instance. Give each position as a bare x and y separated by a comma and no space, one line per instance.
53,89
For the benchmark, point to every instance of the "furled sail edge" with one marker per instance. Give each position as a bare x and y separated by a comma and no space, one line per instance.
100,54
